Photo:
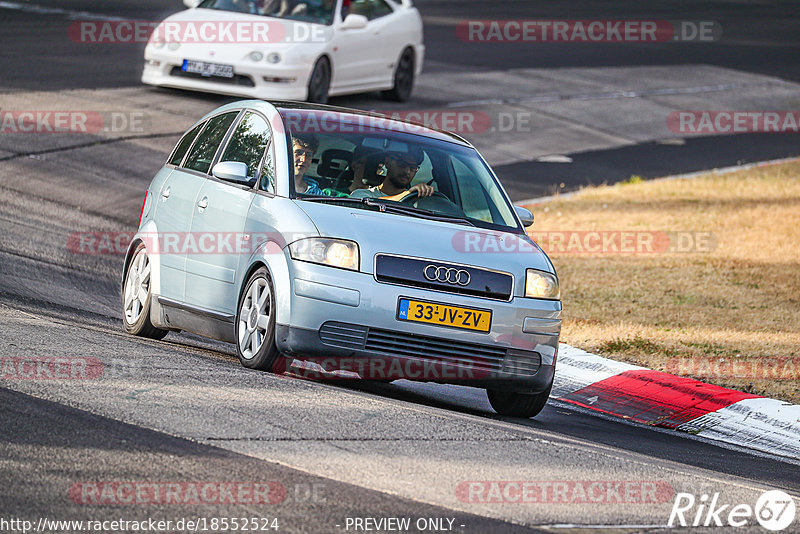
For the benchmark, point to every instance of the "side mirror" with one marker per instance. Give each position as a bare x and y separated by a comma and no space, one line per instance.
191,3
232,171
524,215
354,21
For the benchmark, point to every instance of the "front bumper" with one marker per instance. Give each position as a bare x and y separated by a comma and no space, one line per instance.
163,70
346,320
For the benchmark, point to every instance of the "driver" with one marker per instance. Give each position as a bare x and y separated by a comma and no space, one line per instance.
401,167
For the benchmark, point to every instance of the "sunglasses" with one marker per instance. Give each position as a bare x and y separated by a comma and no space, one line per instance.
405,163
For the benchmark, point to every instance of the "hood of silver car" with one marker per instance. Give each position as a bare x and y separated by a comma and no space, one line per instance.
386,233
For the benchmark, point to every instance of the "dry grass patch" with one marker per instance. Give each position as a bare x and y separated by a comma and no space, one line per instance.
730,316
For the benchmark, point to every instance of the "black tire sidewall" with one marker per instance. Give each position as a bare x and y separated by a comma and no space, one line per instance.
523,405
318,65
396,92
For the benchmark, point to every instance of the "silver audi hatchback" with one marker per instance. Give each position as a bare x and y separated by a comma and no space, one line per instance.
350,243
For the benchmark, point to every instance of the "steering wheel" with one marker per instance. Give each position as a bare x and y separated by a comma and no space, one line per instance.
435,202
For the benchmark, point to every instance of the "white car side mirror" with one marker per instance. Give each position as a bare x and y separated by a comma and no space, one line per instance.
354,21
232,171
191,3
524,215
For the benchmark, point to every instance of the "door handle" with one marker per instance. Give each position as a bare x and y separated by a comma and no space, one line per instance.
203,203
165,193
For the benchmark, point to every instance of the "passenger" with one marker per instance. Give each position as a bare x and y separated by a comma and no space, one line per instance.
357,166
401,167
304,146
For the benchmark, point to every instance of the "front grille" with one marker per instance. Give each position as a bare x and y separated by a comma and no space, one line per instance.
476,356
238,79
412,272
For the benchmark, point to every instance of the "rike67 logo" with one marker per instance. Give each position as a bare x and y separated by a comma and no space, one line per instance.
774,510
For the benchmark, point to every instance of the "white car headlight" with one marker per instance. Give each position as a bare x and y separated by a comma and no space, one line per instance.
326,251
174,46
159,44
273,57
256,56
541,285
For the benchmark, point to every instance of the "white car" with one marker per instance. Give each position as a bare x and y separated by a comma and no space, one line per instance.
288,49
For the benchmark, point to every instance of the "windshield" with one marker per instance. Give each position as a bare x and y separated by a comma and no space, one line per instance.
317,11
332,158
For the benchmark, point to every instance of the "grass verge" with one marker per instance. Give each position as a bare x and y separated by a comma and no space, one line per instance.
698,277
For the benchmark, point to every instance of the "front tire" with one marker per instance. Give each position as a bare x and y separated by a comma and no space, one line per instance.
515,404
320,82
255,324
136,296
403,78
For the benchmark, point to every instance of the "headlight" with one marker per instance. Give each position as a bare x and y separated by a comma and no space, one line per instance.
273,57
541,285
159,44
256,56
326,251
173,46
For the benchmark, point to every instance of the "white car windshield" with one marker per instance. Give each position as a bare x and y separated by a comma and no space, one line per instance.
316,11
344,157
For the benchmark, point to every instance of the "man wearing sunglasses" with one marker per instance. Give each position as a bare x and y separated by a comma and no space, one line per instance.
401,167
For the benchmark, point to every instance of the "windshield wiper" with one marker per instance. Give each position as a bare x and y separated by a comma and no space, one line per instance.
395,207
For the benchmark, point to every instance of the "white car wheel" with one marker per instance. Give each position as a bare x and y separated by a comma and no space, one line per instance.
136,297
255,324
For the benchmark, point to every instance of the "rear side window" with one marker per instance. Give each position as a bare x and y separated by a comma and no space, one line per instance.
184,144
248,142
208,141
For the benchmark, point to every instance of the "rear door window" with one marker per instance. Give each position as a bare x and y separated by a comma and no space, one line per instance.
202,153
184,144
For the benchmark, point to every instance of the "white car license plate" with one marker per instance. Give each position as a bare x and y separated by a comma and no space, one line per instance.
207,69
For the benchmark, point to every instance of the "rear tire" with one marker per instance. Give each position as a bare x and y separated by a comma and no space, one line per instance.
136,296
515,404
255,324
403,78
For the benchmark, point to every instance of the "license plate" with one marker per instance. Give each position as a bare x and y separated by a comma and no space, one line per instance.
207,69
419,311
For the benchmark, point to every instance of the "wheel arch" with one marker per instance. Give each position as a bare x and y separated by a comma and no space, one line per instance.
278,271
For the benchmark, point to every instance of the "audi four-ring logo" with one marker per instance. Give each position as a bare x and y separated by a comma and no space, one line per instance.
450,275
